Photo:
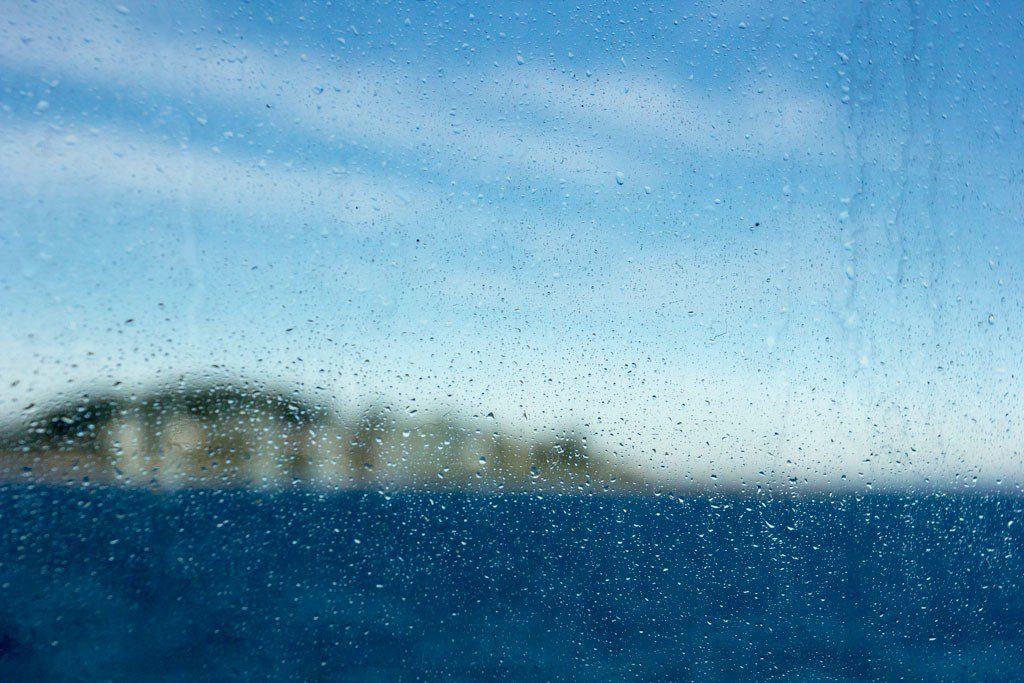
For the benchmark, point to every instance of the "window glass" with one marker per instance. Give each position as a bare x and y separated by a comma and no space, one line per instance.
416,340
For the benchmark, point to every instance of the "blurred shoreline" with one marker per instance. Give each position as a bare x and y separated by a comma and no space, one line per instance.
235,434
245,435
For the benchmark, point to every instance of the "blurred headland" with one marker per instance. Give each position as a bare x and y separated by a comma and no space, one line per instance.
231,434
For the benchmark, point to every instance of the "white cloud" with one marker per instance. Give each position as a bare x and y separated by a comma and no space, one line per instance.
88,162
310,96
755,119
581,130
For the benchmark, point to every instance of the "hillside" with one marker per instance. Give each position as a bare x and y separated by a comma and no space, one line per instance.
244,435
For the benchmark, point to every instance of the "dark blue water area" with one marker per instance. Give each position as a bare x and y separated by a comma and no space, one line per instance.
230,585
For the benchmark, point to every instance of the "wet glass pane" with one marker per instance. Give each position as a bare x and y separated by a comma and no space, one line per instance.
415,340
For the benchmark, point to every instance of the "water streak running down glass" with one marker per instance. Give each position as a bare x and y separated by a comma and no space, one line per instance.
415,340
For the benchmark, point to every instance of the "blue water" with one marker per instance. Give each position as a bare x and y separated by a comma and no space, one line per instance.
116,585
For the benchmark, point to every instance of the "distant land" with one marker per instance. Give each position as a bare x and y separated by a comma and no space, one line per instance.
197,434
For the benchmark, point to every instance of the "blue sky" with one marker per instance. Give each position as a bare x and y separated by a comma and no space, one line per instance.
729,239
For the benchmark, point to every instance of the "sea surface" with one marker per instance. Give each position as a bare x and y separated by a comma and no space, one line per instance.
115,585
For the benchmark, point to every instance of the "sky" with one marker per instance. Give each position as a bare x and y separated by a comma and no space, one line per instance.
730,240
